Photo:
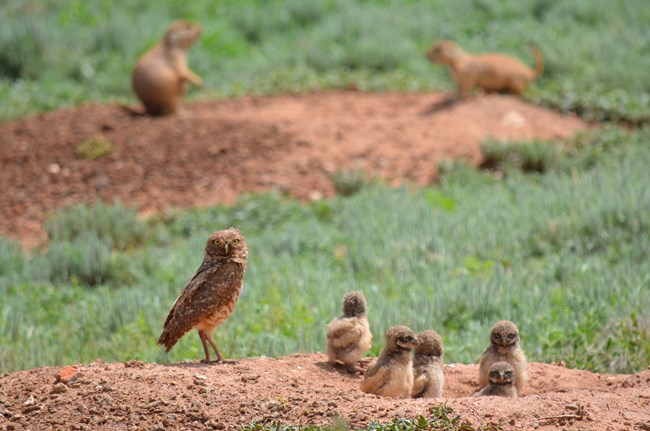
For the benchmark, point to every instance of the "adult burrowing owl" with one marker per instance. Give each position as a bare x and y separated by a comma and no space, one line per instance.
392,374
348,336
504,346
210,296
428,378
502,380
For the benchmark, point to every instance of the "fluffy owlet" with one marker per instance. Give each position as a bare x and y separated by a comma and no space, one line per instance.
504,346
349,336
428,377
501,381
392,374
210,296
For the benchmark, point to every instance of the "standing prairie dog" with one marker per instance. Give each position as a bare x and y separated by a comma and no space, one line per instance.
159,76
504,346
493,72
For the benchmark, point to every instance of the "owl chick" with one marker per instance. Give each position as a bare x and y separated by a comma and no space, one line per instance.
502,381
428,378
348,336
392,374
504,346
211,294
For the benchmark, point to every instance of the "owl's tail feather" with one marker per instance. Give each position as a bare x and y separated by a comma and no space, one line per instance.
166,340
170,336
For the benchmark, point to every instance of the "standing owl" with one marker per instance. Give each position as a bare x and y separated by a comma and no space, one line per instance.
210,296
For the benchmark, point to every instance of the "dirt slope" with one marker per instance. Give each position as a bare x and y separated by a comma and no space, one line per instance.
301,389
217,150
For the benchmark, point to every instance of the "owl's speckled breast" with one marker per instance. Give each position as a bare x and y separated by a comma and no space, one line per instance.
399,382
225,308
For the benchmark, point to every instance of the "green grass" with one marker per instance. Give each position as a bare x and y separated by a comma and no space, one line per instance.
55,54
533,156
441,418
94,148
565,254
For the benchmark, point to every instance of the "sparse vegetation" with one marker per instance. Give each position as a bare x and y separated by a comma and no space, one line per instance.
94,148
349,182
532,156
112,223
440,419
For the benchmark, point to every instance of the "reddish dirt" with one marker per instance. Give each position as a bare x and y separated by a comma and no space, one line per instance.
217,150
302,389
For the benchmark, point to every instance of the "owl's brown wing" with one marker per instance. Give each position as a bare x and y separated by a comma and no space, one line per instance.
420,385
212,284
375,377
484,367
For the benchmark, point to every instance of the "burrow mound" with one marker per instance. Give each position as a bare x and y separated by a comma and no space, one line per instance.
214,151
302,389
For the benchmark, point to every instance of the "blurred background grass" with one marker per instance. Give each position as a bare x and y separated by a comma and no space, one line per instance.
553,237
562,251
54,54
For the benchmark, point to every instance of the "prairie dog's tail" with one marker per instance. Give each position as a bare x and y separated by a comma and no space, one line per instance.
539,60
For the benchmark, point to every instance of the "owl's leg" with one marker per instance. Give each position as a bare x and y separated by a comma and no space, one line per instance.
214,346
204,337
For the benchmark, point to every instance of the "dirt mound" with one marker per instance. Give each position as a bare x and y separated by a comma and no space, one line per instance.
301,389
214,151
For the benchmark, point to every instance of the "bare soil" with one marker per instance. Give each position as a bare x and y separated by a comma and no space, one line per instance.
211,153
302,389
216,150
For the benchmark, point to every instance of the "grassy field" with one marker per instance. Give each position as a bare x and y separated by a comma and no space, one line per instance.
54,53
559,244
561,248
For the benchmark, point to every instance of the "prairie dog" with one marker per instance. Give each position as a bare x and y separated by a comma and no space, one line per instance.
428,377
504,346
502,380
392,374
349,336
493,72
159,76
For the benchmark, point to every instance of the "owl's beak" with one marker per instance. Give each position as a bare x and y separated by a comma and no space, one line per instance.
225,246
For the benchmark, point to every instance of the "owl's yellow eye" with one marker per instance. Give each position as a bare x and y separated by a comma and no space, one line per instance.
217,242
234,241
